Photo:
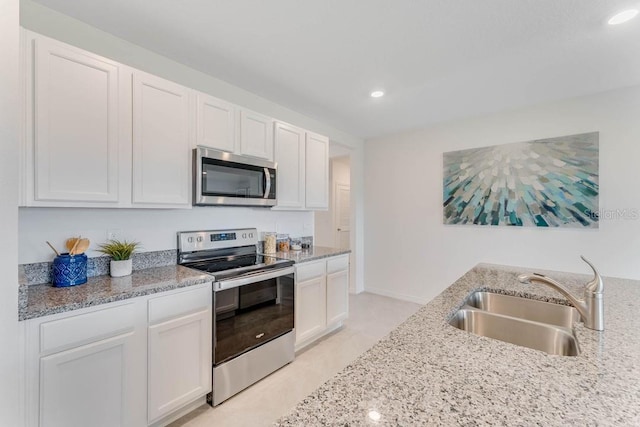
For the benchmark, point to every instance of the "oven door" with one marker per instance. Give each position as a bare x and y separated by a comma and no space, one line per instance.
225,179
250,311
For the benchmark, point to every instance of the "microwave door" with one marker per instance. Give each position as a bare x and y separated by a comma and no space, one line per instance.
225,179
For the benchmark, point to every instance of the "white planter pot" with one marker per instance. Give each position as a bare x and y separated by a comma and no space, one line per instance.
121,268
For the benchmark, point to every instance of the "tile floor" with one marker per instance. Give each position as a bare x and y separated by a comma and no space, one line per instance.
371,317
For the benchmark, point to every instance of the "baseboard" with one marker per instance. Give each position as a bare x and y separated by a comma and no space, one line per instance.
397,295
179,413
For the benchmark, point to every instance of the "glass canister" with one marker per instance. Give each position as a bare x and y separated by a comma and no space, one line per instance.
69,270
283,243
270,243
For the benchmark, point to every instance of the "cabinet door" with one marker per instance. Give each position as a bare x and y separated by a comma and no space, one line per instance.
75,137
179,363
256,135
88,385
310,310
215,123
337,296
289,155
161,145
317,172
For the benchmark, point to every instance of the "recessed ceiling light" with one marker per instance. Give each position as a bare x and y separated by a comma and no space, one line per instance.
377,94
374,415
623,16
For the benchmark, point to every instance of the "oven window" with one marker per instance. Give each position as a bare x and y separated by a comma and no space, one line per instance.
227,179
251,315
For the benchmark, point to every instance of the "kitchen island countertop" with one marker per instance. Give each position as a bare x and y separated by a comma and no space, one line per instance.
427,372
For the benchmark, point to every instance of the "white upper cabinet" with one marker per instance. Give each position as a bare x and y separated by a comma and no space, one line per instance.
289,155
303,168
101,134
215,123
161,143
74,106
256,135
317,172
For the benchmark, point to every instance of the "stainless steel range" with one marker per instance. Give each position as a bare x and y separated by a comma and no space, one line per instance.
253,298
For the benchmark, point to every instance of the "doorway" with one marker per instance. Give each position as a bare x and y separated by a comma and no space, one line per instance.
333,226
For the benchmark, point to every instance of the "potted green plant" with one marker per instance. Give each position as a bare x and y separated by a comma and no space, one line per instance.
120,253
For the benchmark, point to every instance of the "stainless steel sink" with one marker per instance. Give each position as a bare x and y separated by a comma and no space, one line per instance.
524,308
548,338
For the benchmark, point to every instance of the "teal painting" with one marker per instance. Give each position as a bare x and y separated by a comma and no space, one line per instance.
542,183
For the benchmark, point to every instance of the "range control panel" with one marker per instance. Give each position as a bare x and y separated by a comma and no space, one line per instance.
192,241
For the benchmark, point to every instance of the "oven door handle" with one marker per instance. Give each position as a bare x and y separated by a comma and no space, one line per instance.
252,278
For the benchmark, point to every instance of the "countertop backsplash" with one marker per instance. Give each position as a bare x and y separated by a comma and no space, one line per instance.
40,272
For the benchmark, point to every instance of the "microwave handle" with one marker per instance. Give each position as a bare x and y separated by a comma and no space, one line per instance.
267,178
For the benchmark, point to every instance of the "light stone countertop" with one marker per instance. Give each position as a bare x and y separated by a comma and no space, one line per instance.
312,254
45,299
427,372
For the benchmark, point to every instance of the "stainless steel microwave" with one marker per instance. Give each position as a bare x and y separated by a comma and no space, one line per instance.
221,178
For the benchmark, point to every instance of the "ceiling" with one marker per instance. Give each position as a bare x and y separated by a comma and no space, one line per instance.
437,60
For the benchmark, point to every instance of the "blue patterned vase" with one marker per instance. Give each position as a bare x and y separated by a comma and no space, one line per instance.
69,270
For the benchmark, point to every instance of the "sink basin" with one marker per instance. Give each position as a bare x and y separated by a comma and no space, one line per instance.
551,339
523,308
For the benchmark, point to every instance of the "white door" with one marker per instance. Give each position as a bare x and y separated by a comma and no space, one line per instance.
75,125
179,363
289,155
161,145
337,296
215,123
310,312
88,385
342,213
256,135
317,172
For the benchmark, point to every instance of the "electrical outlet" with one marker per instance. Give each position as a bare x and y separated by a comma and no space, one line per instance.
114,234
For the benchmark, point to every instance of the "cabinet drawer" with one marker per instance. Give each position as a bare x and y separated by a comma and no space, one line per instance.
337,263
82,329
174,305
310,270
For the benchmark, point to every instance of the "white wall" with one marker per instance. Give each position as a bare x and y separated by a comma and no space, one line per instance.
60,223
10,385
412,255
154,228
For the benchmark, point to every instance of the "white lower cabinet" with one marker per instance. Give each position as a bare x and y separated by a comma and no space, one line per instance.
179,360
88,385
129,363
311,315
337,297
322,298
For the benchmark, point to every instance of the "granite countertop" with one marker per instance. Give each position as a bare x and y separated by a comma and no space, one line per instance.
312,254
45,299
427,372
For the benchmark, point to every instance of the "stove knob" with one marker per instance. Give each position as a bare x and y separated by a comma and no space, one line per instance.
251,235
199,239
190,240
244,235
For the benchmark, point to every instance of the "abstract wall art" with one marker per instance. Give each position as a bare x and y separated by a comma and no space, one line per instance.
543,183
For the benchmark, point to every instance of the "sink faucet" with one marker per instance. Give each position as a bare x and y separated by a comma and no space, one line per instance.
591,307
